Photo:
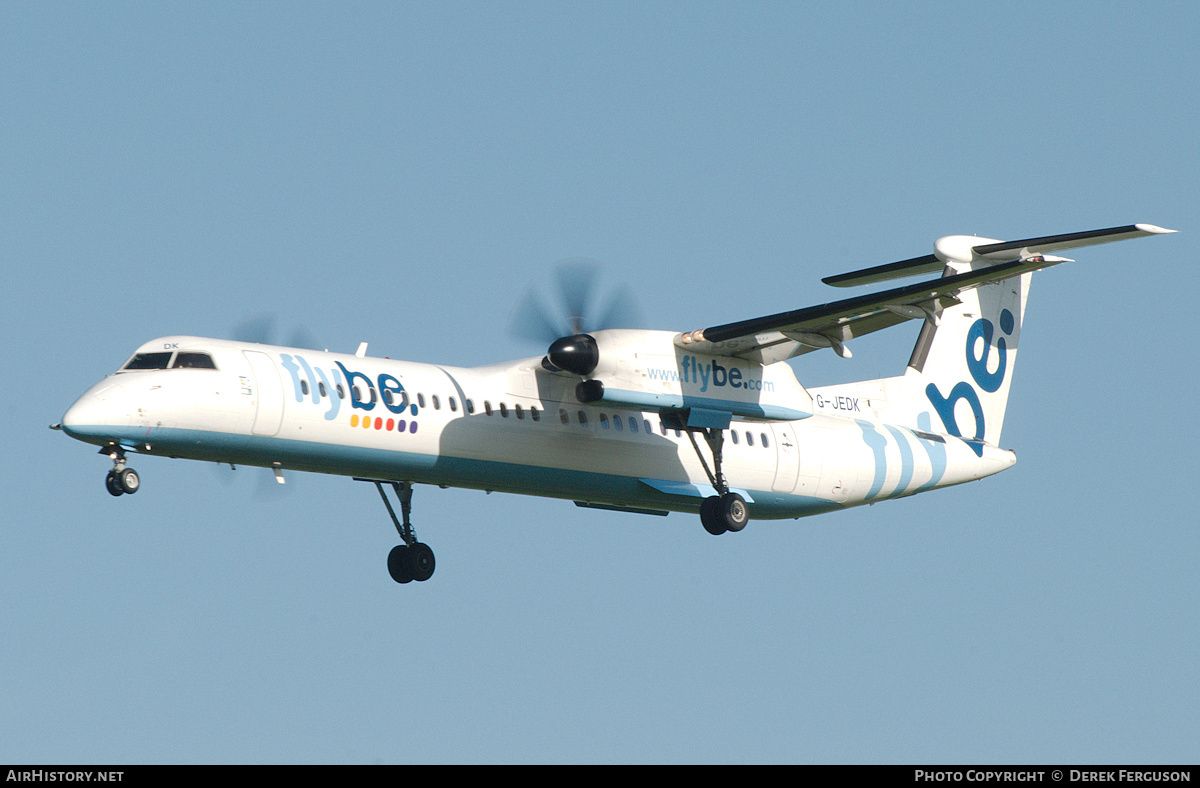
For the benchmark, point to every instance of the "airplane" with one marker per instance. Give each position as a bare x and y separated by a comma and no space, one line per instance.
707,421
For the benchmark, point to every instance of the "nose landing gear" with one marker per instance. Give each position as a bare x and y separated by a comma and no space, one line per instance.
121,480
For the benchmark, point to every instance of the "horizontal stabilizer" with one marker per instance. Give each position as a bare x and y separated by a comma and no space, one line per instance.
821,319
926,264
965,262
990,251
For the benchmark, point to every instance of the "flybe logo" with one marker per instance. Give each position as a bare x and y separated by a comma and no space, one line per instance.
692,370
978,365
334,386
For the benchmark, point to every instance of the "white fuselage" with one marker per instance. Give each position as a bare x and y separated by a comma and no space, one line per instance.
514,427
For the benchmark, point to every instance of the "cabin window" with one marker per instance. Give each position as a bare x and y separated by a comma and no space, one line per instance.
763,441
437,403
148,361
321,388
520,411
733,436
633,425
563,416
453,405
604,420
487,407
617,423
469,405
582,418
193,361
749,438
304,387
534,413
503,410
341,392
420,400
646,426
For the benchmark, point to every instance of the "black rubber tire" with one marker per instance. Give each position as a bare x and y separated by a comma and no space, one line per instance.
420,558
127,479
399,565
711,517
734,513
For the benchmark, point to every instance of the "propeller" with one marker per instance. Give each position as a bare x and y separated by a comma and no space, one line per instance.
265,485
262,329
573,310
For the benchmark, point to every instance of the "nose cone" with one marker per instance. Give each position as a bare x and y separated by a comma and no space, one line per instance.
94,416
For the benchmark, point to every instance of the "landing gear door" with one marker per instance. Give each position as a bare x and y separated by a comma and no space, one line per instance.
787,455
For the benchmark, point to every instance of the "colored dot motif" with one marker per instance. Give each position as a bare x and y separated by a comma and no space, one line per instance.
399,425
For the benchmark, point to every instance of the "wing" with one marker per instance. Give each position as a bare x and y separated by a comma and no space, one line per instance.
787,334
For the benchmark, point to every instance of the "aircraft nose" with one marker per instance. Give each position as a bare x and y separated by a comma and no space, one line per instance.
92,415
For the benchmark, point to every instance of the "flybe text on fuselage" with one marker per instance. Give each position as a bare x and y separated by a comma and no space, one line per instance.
391,391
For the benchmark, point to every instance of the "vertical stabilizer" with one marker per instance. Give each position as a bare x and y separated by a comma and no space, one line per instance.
963,365
960,371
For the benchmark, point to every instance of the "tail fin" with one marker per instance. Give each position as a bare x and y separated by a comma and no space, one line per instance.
963,364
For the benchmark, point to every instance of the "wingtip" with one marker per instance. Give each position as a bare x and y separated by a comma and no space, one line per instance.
1154,229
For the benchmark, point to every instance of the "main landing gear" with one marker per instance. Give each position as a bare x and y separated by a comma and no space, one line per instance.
121,480
725,511
412,560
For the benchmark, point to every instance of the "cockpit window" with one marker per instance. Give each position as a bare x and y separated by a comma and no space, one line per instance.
148,361
182,360
193,361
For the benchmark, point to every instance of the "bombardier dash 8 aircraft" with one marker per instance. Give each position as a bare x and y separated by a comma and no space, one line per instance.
707,421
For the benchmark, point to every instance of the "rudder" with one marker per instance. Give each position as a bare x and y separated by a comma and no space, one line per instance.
964,363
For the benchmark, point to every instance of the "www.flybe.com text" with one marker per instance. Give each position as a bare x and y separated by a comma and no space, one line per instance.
692,370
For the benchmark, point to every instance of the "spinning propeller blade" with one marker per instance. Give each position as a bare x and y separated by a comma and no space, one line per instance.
572,308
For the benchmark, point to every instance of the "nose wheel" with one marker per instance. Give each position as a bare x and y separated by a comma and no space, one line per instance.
121,480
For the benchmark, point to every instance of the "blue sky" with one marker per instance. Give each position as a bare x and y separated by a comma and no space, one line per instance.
400,173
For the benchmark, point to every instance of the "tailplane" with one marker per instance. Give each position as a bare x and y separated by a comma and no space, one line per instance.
961,369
